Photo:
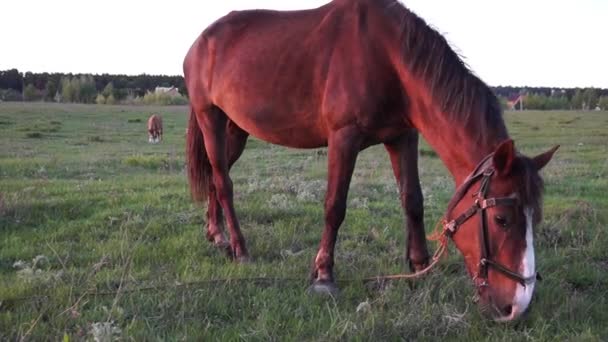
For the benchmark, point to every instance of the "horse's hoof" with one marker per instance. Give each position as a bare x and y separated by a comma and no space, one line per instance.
243,259
323,288
223,246
417,267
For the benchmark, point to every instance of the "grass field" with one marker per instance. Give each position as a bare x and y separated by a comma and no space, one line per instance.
99,238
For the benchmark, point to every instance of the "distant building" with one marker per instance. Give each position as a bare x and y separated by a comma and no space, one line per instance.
172,91
516,102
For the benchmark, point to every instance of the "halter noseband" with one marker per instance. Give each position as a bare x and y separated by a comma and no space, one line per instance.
483,172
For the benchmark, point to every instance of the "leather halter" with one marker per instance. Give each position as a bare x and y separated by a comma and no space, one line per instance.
483,172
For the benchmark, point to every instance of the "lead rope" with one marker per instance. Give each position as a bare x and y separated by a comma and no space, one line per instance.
439,235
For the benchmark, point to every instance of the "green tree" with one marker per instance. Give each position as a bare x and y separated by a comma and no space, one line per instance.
560,102
50,90
30,93
100,99
603,102
75,85
108,90
110,100
87,90
11,79
67,93
504,103
590,97
577,100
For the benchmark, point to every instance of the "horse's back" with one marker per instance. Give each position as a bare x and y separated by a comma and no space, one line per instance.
289,77
155,122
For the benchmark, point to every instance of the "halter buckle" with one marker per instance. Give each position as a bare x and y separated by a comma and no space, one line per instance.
450,226
488,203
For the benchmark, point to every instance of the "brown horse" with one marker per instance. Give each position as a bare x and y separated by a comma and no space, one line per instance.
155,129
352,74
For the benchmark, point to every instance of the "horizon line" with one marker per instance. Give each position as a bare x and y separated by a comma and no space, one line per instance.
180,75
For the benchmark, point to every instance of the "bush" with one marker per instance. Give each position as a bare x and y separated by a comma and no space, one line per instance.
78,89
110,100
152,162
163,99
10,95
34,135
603,103
30,93
100,99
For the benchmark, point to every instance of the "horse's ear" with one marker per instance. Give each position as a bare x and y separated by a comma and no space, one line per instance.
503,157
542,159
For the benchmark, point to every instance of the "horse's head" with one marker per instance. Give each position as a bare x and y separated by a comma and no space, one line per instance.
492,216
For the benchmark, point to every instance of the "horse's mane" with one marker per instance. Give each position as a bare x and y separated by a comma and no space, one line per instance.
458,92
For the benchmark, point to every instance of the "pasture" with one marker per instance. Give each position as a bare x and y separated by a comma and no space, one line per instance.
99,238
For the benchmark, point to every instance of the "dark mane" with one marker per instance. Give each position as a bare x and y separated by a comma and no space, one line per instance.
458,92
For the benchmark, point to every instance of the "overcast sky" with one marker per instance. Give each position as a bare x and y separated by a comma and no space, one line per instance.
517,42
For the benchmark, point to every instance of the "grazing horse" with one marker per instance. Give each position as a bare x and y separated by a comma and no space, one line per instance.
348,75
155,129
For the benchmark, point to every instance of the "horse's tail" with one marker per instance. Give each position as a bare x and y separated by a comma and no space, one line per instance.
199,168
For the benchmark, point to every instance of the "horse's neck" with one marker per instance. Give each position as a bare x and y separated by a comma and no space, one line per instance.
459,145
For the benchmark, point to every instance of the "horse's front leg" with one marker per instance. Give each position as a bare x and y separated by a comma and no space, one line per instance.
343,146
404,159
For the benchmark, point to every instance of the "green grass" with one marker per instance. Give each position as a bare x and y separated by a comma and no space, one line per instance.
110,214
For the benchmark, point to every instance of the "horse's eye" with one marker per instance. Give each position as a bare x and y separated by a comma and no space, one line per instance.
501,221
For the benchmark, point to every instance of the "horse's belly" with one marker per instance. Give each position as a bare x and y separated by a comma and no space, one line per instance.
290,131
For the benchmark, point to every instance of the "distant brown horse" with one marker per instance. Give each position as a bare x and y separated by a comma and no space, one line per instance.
155,129
352,74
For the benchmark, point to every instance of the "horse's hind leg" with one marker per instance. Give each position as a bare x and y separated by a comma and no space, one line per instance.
236,141
213,123
404,158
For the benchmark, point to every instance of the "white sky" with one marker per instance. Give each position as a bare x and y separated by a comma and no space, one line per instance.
556,43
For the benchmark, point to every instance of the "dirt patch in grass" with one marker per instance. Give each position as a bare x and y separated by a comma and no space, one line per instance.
428,153
151,162
34,135
45,127
95,138
567,122
134,120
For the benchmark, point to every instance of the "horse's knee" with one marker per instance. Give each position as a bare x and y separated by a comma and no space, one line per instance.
335,211
414,206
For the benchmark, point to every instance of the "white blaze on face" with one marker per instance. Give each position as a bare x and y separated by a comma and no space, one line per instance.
523,294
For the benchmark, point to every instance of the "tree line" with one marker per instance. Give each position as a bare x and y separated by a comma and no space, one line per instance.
81,88
544,98
110,89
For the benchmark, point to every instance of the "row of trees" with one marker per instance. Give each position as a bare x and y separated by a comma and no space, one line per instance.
509,91
45,86
110,89
78,89
584,99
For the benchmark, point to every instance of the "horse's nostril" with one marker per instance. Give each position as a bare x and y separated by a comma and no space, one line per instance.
507,310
